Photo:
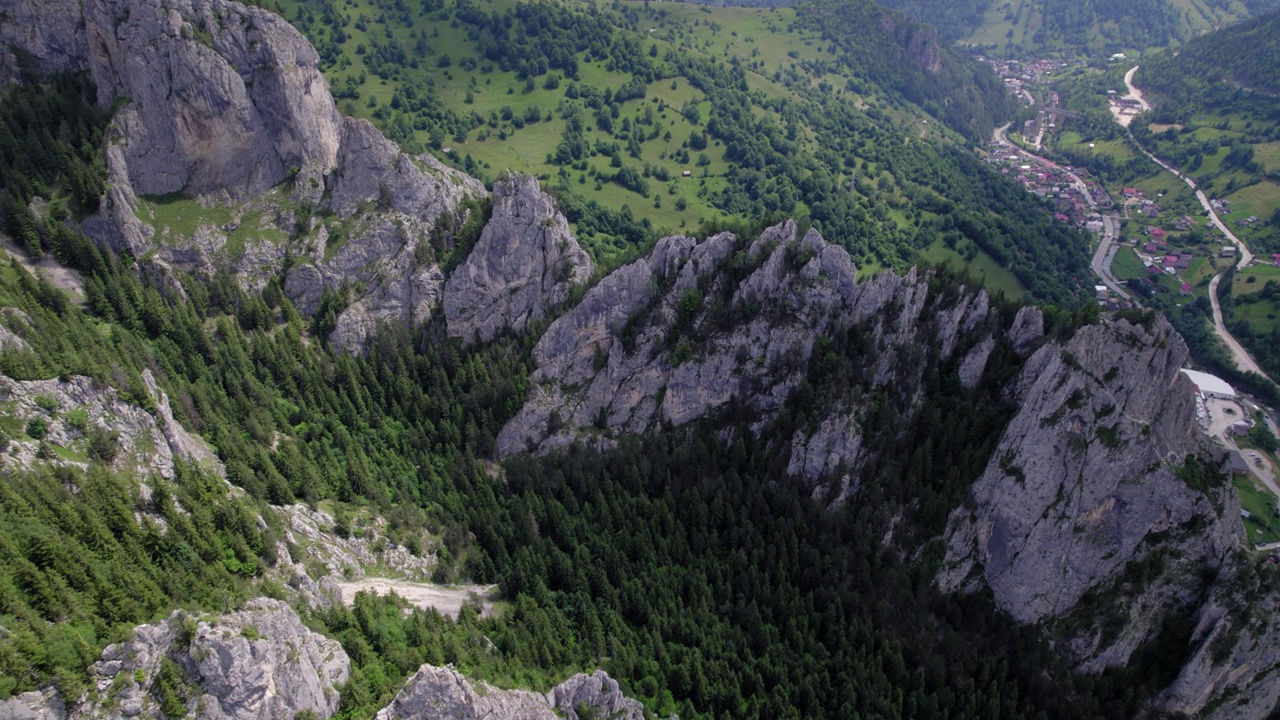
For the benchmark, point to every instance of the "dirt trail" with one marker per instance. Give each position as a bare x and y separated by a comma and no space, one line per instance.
447,599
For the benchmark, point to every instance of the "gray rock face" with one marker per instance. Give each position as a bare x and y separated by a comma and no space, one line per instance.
435,693
184,445
694,326
223,103
1231,673
373,170
33,705
145,444
222,98
116,226
1086,488
260,662
1028,327
525,262
50,30
598,691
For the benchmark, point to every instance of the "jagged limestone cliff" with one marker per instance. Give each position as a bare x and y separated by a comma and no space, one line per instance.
525,263
694,326
1090,519
224,103
1096,478
262,663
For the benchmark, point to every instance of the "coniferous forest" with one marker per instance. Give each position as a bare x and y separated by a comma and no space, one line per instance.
692,561
688,567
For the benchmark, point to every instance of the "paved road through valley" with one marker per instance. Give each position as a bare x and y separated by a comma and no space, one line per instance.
1106,252
1242,358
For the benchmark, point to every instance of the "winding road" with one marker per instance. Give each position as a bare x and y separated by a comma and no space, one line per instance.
1106,252
1244,361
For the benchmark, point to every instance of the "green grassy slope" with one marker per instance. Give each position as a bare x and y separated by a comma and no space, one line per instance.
674,118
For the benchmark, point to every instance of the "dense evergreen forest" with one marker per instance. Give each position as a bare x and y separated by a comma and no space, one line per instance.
1243,57
692,569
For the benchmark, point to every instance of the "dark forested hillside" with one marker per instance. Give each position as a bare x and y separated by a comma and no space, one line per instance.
1209,69
1036,27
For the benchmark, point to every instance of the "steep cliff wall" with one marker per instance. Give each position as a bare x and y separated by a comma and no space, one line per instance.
1106,518
218,97
695,326
224,103
525,263
49,32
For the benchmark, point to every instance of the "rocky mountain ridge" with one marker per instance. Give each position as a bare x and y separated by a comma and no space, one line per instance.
1098,490
1103,516
262,662
223,103
696,325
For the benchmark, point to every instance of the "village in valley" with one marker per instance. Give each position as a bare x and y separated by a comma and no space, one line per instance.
1158,246
1152,237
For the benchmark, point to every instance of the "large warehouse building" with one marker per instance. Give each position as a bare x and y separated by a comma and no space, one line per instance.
1211,386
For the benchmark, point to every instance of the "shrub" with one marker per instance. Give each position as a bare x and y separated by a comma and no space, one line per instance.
77,419
104,445
37,428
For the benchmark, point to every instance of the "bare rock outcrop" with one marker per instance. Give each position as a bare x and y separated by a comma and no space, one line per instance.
116,225
374,170
259,662
1096,491
34,705
222,97
597,691
225,103
48,31
694,326
87,420
313,557
391,205
1232,671
525,263
435,693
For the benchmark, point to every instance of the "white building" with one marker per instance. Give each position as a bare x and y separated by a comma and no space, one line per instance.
1210,385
